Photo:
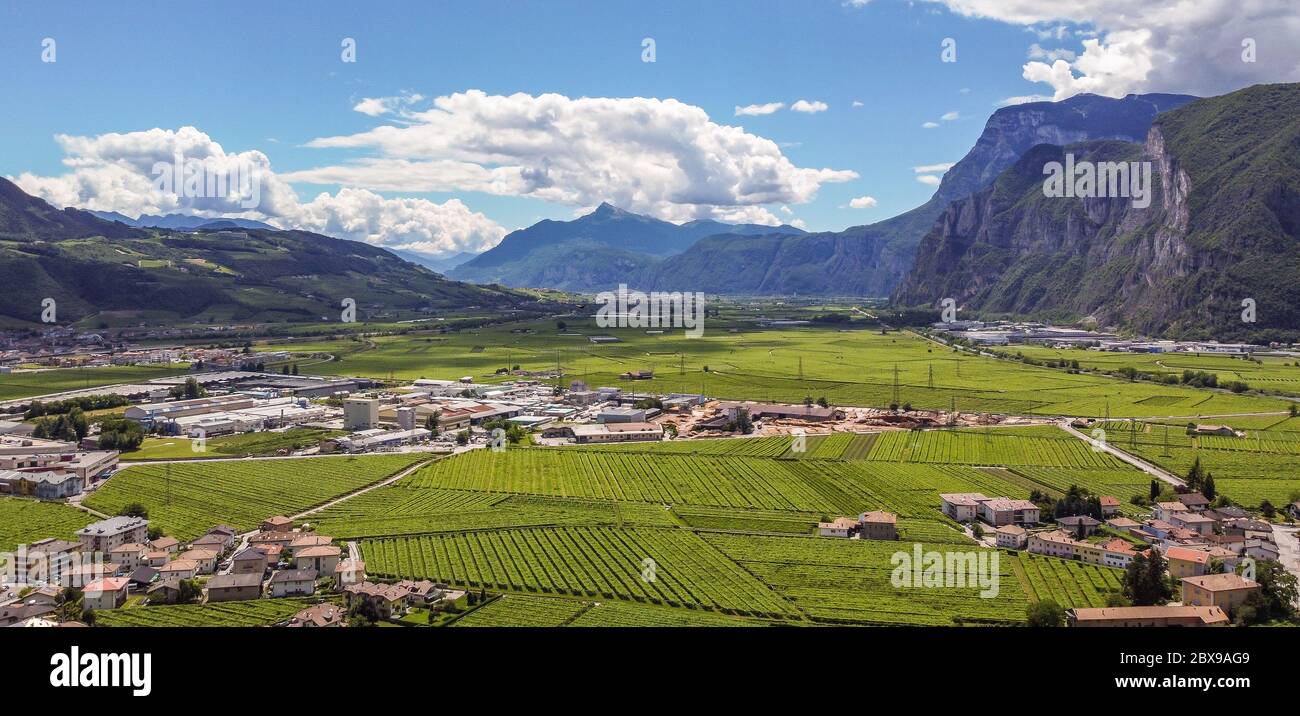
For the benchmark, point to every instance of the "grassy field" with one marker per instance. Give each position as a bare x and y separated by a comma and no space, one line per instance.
24,521
262,612
263,444
188,498
22,385
1068,583
850,367
1274,373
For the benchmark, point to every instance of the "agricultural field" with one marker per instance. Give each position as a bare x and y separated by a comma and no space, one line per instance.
260,444
848,367
23,521
185,499
658,566
1066,582
1280,374
261,612
523,610
59,380
952,447
849,582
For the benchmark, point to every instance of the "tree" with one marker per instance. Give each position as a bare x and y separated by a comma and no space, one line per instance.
1195,475
1207,488
134,509
1144,582
561,326
823,402
1267,509
1155,489
743,424
189,391
431,422
295,369
1276,598
462,437
1046,613
189,592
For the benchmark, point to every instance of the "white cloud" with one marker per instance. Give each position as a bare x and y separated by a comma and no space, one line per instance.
757,110
929,125
857,104
114,172
799,224
807,107
378,106
1037,52
929,179
934,168
661,157
950,116
786,210
863,202
1024,99
1191,46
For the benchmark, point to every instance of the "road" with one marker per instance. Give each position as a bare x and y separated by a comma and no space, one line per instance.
1139,463
1288,548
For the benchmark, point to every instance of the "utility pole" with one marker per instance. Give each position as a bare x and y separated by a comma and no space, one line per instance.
895,400
930,382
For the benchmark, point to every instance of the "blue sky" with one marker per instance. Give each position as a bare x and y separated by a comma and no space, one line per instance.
268,77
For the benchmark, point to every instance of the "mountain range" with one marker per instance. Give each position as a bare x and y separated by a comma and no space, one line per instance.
1221,233
593,252
182,222
117,272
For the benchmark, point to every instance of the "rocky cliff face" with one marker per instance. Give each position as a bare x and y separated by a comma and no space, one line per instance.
872,260
1219,229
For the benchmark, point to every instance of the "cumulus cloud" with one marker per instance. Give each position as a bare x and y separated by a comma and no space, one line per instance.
807,107
929,125
119,172
378,106
863,202
1192,46
857,104
756,110
950,116
1038,52
660,157
934,168
928,179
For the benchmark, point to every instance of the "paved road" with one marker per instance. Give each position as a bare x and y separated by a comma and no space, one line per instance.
1288,548
1143,465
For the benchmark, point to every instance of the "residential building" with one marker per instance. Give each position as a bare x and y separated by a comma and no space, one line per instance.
1186,562
1194,501
878,524
1193,521
106,593
179,569
1012,537
348,572
278,523
1079,526
1227,591
234,587
962,506
105,535
251,560
205,560
1000,511
323,558
320,615
422,592
839,527
293,582
1053,544
130,555
1185,616
1163,510
388,599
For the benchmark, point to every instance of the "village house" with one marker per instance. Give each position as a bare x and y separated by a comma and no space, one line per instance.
166,544
1186,562
326,614
386,598
878,525
105,535
205,560
293,582
1000,511
421,593
1012,537
839,527
278,523
1123,524
130,555
1194,501
179,569
1078,525
349,571
1221,430
282,539
234,587
216,544
227,534
1193,522
157,558
962,506
1163,510
1146,617
1261,550
251,560
323,558
308,540
1053,544
106,593
1109,506
165,591
1227,591
142,577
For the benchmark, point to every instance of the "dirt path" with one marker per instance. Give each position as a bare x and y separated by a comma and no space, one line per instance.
1139,463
